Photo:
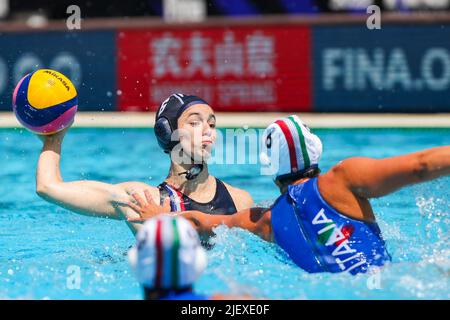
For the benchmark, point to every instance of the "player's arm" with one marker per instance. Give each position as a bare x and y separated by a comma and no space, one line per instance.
372,178
85,197
256,220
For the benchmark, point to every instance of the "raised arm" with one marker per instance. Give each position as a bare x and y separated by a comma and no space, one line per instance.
85,197
372,178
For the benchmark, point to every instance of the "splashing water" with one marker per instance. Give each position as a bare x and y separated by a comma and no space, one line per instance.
51,253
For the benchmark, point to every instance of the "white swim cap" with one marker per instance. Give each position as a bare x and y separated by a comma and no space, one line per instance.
290,147
168,253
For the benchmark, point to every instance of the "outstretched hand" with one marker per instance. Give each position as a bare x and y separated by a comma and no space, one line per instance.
147,208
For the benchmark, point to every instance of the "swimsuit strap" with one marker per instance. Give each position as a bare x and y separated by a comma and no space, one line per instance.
176,197
222,203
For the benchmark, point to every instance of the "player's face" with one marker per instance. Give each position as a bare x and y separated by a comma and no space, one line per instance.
197,131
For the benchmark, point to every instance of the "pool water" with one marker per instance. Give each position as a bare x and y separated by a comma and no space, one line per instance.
41,245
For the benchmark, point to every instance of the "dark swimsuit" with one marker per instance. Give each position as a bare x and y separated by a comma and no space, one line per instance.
222,203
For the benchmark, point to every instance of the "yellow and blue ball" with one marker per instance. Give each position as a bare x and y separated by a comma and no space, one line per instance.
45,101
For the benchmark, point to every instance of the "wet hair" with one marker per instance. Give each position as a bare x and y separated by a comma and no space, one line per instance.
155,294
290,178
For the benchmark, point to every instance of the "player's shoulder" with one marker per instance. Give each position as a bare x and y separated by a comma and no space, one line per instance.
131,187
241,198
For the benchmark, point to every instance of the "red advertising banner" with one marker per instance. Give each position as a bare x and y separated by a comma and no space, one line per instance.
234,69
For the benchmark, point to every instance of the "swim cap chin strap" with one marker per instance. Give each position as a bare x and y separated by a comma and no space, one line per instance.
193,172
310,172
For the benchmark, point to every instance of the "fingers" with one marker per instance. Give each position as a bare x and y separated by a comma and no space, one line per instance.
166,204
148,196
135,220
135,207
138,199
150,199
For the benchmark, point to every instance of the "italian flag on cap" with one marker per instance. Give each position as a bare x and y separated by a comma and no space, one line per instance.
168,253
298,147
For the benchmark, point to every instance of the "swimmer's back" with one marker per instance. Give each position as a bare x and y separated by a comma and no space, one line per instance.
319,238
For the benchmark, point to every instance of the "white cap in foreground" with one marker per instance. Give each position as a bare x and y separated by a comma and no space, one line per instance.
168,253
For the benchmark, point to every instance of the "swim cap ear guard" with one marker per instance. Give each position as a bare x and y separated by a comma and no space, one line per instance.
163,132
166,121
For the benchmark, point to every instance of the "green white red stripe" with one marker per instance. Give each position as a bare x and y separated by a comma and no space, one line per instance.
167,267
291,144
159,255
175,249
295,139
304,150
